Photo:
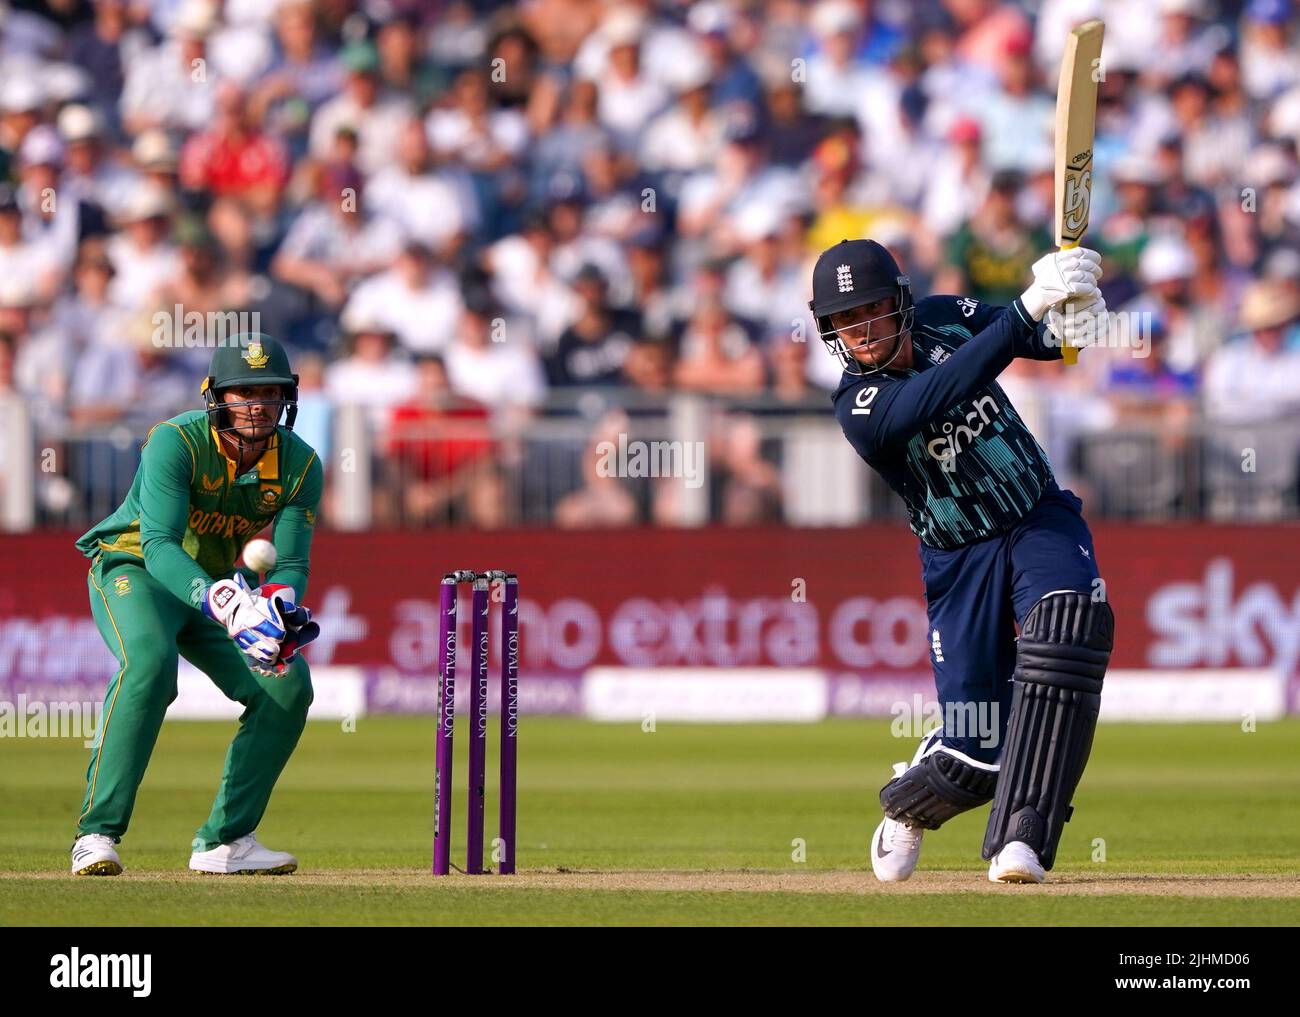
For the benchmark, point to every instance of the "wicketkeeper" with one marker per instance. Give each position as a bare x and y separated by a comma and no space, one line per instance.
162,583
1003,548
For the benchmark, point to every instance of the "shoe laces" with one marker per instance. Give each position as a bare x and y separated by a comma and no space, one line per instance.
904,836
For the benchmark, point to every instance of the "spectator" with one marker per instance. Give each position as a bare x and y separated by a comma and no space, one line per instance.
156,159
143,259
336,241
764,286
1256,379
42,357
717,356
21,101
1252,401
749,486
203,283
440,446
688,135
1166,271
88,314
836,77
959,183
561,151
1016,120
314,423
172,85
51,224
490,361
377,116
1268,53
524,280
88,175
435,209
301,75
628,97
603,500
736,87
990,256
792,131
407,66
594,349
373,376
135,382
30,265
97,47
469,131
417,300
234,159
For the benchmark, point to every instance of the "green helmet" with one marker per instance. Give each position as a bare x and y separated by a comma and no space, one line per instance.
250,358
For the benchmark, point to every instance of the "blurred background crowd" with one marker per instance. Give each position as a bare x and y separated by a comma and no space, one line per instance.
493,234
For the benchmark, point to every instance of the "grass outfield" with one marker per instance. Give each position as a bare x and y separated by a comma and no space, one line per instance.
687,825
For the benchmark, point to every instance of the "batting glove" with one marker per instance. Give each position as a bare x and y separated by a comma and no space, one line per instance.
1080,323
1061,276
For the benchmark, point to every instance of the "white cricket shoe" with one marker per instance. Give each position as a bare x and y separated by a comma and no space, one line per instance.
1016,863
895,850
95,854
244,857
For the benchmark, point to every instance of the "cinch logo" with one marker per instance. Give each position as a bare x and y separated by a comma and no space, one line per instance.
957,438
73,970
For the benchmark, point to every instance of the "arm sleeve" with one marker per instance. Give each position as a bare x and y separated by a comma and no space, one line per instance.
167,465
293,530
896,410
1038,344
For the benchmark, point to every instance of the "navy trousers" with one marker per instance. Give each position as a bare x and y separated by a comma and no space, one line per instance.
977,595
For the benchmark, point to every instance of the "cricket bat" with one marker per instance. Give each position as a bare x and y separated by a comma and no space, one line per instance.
1076,119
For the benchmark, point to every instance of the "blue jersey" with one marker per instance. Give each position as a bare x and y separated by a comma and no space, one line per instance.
943,433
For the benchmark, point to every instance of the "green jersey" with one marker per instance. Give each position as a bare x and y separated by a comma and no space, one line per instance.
188,516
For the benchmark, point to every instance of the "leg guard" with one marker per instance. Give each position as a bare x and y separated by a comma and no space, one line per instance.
1061,660
940,783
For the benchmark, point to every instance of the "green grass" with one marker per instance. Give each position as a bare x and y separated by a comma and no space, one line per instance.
356,808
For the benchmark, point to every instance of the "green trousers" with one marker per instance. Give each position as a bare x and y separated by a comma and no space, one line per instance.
146,627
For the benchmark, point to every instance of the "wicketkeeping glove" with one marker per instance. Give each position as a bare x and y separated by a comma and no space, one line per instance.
299,628
252,621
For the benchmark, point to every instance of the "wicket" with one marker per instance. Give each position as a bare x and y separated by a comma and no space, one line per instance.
442,785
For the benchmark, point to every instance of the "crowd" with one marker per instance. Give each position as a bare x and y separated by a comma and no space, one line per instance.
453,209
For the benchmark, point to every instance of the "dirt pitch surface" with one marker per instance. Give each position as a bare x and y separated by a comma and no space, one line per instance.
753,881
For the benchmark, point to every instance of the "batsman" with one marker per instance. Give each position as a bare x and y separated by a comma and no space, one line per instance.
1019,628
163,583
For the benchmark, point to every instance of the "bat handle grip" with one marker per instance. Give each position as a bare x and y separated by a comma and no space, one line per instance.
1070,354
